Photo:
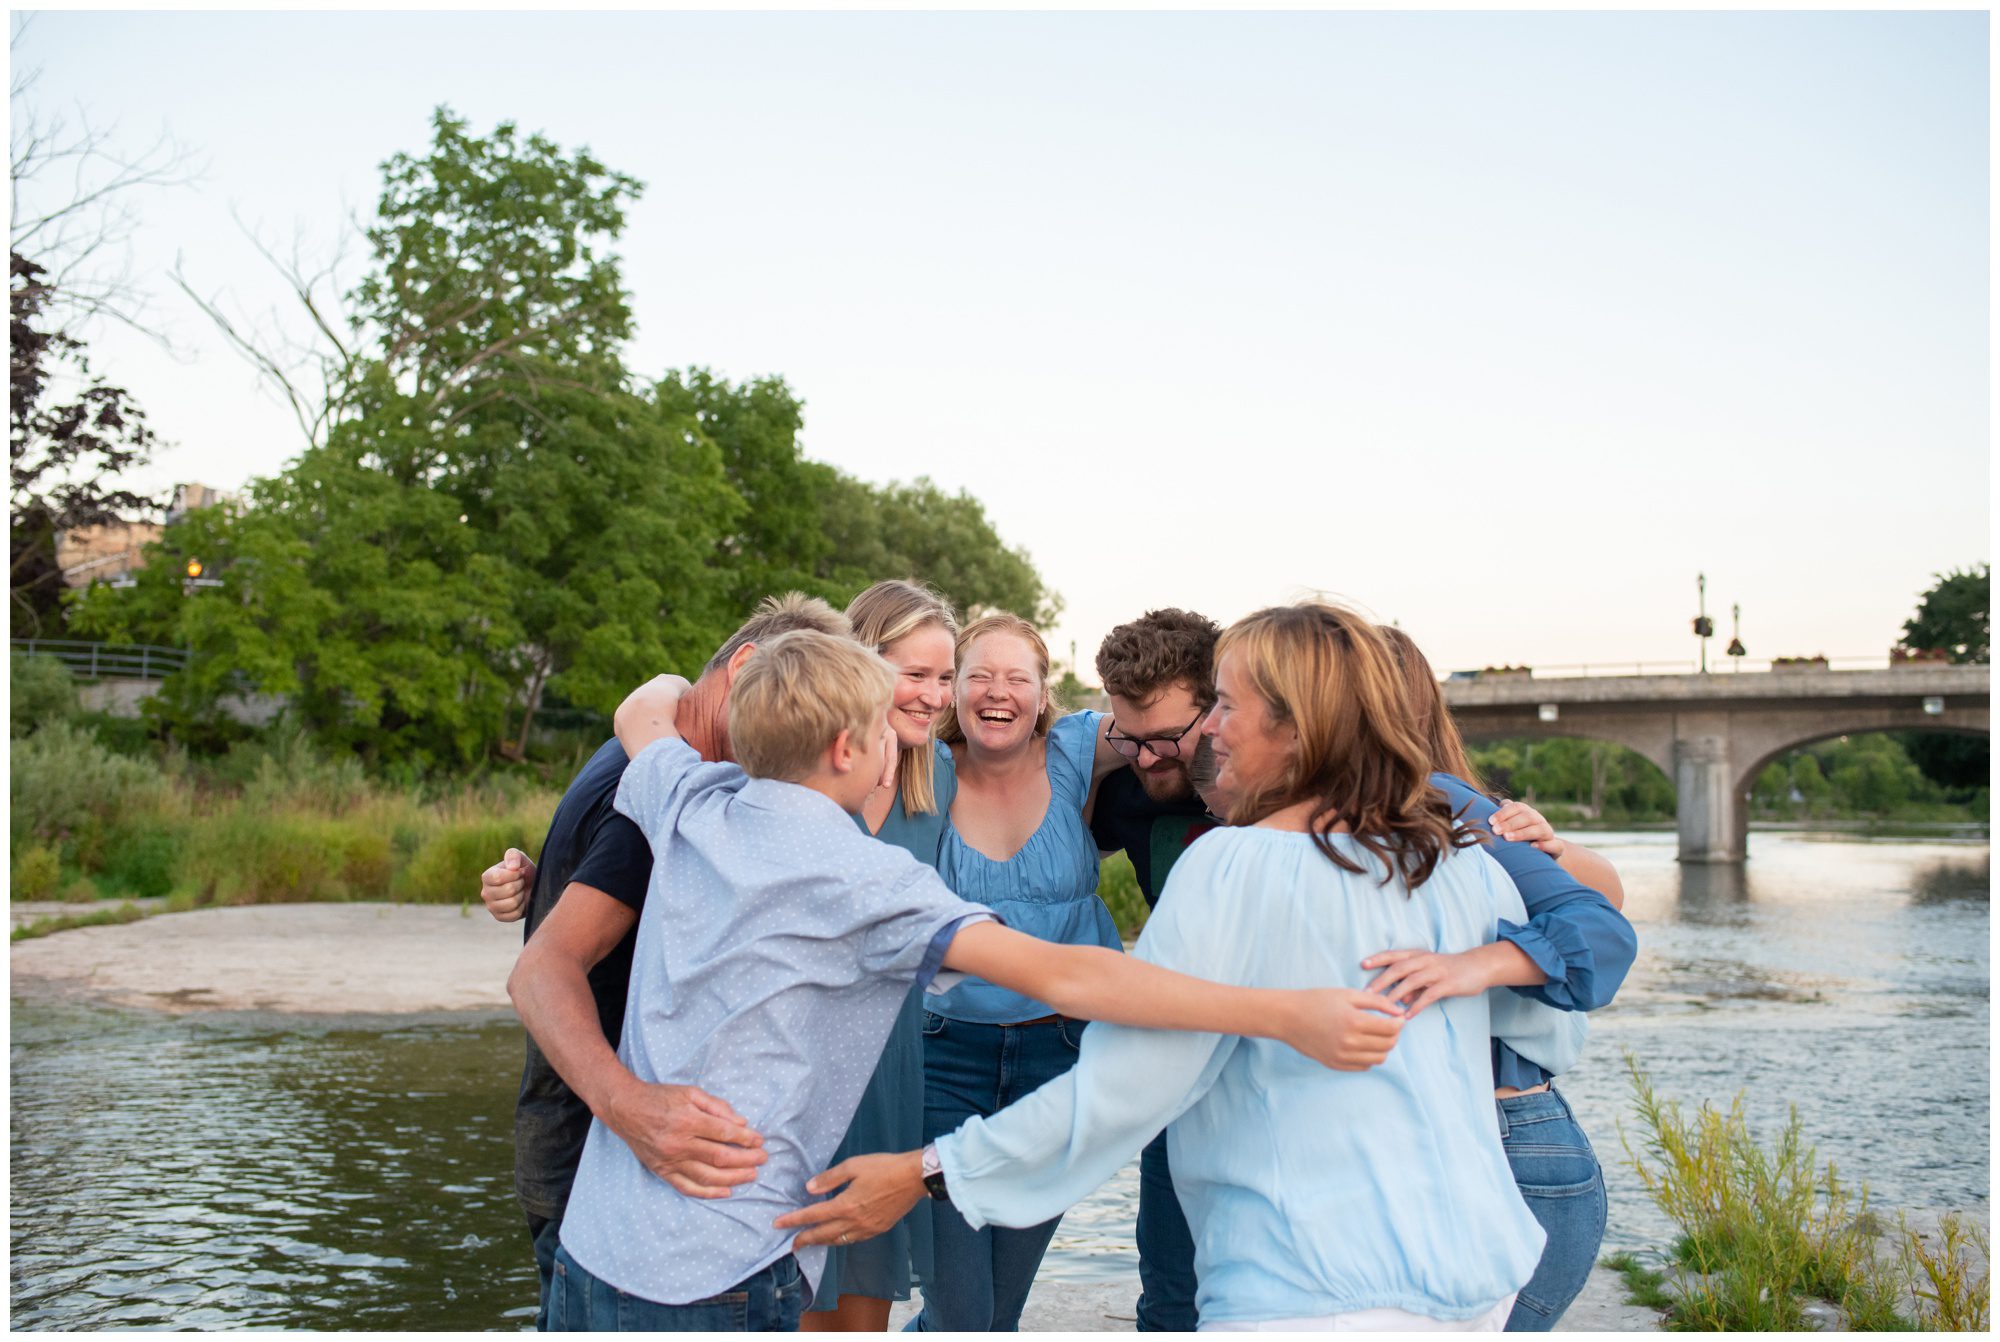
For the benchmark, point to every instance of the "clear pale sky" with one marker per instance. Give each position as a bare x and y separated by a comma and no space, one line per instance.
1499,325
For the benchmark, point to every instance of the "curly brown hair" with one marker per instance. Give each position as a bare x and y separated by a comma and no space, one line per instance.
1160,649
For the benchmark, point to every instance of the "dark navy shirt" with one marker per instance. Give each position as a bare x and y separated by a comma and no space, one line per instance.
1152,833
591,844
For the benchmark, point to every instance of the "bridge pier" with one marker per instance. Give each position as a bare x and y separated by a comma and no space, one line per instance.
1710,815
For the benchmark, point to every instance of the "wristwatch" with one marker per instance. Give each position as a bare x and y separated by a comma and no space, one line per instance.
934,1174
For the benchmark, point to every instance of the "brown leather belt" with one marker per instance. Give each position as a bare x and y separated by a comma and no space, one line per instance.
1039,1020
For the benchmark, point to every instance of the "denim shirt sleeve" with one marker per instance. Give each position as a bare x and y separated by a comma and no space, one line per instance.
1573,934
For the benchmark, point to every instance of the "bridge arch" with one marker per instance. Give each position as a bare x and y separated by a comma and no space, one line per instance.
1642,739
1712,734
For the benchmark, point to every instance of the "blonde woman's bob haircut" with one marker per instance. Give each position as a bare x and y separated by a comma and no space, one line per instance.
800,691
1002,622
1331,676
884,614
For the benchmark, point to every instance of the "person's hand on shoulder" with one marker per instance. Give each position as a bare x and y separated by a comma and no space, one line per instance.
1518,822
504,886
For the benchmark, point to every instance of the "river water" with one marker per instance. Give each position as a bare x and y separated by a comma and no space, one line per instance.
213,1173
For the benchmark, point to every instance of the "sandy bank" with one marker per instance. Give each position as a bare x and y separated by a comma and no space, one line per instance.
317,959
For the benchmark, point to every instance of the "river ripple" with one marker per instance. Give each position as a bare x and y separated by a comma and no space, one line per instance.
251,1173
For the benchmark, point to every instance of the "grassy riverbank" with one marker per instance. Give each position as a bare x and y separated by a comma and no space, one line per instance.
271,821
1771,1240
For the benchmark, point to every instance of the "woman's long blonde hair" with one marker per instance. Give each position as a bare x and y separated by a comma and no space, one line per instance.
1003,622
1331,676
891,610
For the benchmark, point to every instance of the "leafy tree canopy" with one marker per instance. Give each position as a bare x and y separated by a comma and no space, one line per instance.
495,513
1954,615
64,455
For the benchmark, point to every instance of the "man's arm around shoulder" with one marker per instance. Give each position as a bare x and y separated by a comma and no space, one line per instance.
684,1135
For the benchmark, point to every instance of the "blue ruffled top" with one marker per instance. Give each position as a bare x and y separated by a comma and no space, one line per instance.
1048,889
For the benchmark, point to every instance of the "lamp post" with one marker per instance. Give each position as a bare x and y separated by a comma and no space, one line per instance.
1704,628
1736,636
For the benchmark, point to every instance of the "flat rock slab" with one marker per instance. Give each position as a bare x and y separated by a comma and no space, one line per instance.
313,959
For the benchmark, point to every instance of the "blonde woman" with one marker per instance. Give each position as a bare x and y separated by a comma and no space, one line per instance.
913,628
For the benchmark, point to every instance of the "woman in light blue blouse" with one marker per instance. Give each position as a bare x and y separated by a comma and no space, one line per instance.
1318,1199
1015,842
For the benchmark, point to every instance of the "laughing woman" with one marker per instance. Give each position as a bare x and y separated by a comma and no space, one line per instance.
1015,842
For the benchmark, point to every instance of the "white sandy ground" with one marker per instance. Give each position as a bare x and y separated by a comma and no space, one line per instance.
399,959
313,959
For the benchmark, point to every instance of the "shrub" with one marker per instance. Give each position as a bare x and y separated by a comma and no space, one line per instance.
64,780
1118,887
37,869
240,856
445,868
1761,1231
43,692
123,736
141,859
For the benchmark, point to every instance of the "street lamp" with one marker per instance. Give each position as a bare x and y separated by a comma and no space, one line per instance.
1736,636
1704,628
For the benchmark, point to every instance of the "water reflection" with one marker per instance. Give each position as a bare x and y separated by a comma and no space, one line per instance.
1945,882
1714,892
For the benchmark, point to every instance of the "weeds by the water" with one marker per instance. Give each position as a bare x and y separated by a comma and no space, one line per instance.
41,927
1764,1232
1643,1285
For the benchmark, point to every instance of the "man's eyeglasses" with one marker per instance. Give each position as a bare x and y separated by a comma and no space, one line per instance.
1166,747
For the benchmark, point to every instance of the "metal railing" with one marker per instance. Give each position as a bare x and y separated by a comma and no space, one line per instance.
98,661
1724,667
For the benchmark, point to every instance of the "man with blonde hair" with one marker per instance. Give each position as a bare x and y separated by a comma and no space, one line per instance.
596,866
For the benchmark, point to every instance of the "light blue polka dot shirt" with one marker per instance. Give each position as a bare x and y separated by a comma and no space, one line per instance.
776,944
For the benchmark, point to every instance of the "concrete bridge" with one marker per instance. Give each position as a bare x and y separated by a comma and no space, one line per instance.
1712,734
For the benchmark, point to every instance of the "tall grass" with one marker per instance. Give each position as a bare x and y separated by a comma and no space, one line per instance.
1763,1232
274,820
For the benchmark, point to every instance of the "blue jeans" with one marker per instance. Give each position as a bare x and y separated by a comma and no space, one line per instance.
1563,1185
767,1301
546,1235
980,1278
1166,1248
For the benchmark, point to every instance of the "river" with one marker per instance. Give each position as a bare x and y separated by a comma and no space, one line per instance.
246,1172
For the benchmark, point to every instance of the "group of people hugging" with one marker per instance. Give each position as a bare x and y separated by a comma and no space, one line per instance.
823,1004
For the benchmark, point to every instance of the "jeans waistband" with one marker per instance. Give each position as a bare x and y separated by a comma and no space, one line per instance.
1540,1105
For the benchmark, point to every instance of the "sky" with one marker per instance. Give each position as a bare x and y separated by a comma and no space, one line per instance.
1500,326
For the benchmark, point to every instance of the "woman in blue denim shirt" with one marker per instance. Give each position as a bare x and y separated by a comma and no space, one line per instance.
1554,1165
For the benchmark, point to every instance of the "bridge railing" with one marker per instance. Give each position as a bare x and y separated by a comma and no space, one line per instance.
97,661
1729,666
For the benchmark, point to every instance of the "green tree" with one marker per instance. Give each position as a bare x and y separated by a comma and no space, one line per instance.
1810,782
1954,615
64,455
493,513
917,530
